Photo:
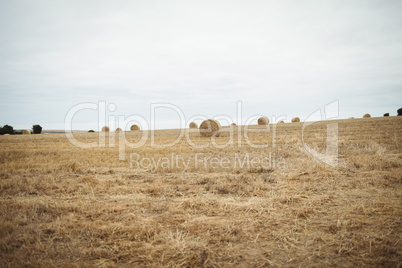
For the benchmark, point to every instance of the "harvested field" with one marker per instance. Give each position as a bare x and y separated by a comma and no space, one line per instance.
204,205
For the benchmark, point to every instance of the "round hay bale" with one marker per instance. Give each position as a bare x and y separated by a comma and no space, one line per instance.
295,119
26,132
263,120
210,127
193,125
105,129
134,128
366,116
351,117
233,124
281,122
7,134
118,129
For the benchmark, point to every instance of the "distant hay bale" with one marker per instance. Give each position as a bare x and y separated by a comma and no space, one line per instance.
7,134
351,117
295,119
193,125
233,124
118,129
281,122
134,128
366,116
210,127
105,129
263,120
26,132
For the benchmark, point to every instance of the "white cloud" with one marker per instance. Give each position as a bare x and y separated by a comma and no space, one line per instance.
275,56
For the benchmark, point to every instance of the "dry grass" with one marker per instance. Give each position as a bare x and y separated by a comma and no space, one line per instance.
70,207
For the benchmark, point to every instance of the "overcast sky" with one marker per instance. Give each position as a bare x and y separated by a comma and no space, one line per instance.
279,58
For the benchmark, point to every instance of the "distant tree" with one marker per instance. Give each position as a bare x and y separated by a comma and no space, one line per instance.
400,111
37,129
91,130
386,114
6,129
9,129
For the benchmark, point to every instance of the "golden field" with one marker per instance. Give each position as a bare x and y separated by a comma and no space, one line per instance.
184,206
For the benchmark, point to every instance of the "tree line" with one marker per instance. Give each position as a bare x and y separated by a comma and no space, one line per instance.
7,129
